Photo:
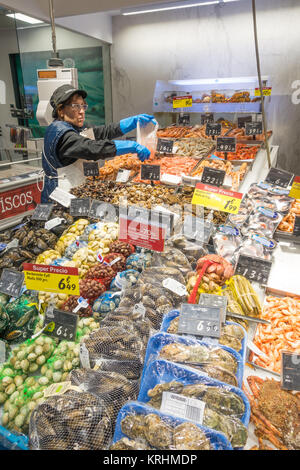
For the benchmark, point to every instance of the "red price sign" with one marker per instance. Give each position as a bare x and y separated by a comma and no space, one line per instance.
139,231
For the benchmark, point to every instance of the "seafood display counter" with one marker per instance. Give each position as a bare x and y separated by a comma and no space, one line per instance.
20,192
129,355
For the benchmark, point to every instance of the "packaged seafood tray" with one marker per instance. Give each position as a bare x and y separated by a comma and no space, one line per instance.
180,349
173,314
282,310
167,431
163,372
11,441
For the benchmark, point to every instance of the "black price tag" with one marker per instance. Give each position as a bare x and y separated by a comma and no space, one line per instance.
80,207
241,121
253,128
213,176
184,119
253,268
213,128
290,371
164,146
11,282
61,325
42,212
296,230
104,211
279,177
200,321
90,169
205,118
150,172
226,144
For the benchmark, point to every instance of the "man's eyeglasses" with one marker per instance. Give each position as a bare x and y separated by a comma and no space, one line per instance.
78,107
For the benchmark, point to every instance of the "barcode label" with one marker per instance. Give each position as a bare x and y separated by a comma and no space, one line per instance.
182,407
193,413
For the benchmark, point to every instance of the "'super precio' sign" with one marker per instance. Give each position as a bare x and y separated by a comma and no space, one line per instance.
19,200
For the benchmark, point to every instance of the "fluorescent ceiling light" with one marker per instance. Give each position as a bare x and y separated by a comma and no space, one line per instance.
170,6
25,18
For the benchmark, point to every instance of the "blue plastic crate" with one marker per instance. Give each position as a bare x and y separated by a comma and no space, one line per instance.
157,341
217,439
11,441
161,371
175,313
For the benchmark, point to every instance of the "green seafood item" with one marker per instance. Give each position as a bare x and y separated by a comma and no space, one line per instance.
4,318
32,354
23,316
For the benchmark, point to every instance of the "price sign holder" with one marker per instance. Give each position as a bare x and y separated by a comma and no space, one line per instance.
11,282
217,301
290,371
241,121
213,176
226,144
279,177
80,207
164,145
104,211
42,212
253,128
220,199
150,172
253,268
213,129
45,278
296,230
205,118
184,119
200,321
61,324
90,169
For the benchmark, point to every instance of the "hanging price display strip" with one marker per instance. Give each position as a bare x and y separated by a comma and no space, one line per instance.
182,101
60,279
217,198
267,91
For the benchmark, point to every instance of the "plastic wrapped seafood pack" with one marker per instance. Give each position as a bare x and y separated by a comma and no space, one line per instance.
140,427
226,241
219,362
263,221
226,408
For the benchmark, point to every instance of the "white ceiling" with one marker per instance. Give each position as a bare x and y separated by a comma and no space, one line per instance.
40,8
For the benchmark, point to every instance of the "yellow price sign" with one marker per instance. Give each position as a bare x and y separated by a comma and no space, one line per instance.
267,91
295,189
183,101
216,198
59,279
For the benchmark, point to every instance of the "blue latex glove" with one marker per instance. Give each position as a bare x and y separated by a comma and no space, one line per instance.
130,123
130,146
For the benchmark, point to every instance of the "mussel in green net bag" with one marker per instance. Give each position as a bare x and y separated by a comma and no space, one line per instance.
4,319
4,299
23,316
